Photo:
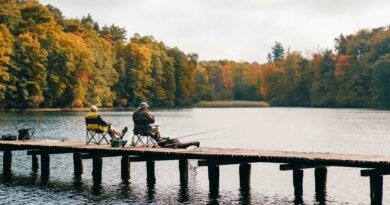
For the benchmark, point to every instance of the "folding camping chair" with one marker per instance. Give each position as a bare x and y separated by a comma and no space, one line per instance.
96,133
144,138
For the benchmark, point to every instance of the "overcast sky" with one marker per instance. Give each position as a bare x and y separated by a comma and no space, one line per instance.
242,30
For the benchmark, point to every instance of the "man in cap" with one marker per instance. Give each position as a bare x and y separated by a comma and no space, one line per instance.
142,120
95,121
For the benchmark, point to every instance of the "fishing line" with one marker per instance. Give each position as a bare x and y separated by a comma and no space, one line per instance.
204,132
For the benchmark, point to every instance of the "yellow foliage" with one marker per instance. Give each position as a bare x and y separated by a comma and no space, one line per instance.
6,40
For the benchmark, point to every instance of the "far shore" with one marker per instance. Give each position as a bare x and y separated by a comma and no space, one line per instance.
232,103
202,104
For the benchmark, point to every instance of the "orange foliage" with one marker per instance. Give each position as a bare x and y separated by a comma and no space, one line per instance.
342,65
255,73
227,76
267,69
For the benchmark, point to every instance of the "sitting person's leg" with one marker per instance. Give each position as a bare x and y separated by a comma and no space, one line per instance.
154,133
115,132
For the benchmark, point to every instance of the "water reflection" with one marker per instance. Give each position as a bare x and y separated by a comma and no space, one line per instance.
213,198
183,192
298,200
34,179
245,196
7,177
97,189
77,183
320,197
125,189
323,130
44,180
151,182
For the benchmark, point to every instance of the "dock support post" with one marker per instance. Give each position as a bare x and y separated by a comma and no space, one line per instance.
7,163
298,182
245,176
320,174
77,164
376,189
213,179
125,168
34,163
150,176
97,164
45,163
183,169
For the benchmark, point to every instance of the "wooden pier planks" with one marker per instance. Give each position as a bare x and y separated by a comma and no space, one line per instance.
235,156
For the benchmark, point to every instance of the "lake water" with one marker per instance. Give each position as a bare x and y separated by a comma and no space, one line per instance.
294,129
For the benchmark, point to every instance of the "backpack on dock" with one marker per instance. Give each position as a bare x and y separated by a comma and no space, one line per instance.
118,143
24,134
8,137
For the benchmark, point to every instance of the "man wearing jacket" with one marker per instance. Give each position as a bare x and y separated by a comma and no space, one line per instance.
142,120
95,123
142,125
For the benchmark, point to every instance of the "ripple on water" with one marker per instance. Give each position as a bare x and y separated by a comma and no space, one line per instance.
325,130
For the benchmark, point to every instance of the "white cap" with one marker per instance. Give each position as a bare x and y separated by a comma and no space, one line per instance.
94,108
143,105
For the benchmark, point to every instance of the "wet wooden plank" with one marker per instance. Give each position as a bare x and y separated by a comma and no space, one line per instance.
235,155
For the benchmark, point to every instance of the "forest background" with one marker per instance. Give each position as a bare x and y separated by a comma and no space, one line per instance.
49,61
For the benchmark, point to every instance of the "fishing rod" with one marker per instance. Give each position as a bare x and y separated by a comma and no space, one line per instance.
210,138
198,133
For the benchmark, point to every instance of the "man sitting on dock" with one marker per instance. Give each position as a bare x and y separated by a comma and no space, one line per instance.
142,125
142,120
94,119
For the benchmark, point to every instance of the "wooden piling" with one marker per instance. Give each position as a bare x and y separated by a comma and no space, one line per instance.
320,174
7,163
183,169
34,163
150,171
45,163
213,179
245,176
376,189
298,182
77,164
97,164
125,168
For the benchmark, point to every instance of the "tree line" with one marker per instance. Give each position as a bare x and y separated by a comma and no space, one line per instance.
47,60
355,74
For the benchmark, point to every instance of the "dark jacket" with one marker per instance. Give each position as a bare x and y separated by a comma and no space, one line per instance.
142,119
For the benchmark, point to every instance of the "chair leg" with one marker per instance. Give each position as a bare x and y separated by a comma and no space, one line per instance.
139,140
143,140
89,139
102,136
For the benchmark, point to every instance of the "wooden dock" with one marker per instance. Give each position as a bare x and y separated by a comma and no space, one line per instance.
373,166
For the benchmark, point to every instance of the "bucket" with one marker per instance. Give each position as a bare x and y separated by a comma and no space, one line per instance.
118,143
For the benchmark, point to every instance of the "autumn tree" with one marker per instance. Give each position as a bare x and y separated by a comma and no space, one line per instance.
185,65
6,42
10,14
381,82
138,61
27,72
324,86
